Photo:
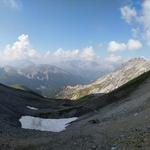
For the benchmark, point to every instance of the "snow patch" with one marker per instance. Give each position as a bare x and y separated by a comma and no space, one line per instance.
54,125
33,108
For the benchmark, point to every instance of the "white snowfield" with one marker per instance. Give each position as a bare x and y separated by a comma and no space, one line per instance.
33,108
53,125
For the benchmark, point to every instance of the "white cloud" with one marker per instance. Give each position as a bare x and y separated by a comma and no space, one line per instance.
15,4
140,20
66,54
87,53
132,44
146,19
114,58
22,50
78,61
128,13
136,32
114,46
19,50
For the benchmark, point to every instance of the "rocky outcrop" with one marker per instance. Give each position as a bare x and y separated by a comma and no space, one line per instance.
105,84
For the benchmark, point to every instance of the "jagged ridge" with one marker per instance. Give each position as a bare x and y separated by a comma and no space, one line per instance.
125,73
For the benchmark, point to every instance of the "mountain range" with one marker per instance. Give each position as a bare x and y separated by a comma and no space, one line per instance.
107,83
118,119
44,79
49,80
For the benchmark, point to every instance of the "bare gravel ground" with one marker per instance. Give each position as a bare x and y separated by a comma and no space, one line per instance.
123,124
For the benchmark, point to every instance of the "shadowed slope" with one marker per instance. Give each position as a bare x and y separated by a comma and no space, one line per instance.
119,119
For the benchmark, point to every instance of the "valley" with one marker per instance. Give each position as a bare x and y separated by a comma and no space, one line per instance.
74,74
115,120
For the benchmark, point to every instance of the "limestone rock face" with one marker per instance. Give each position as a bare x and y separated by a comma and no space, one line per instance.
128,71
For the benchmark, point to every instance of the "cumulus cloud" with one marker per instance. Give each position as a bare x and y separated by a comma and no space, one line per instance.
61,54
114,46
87,53
128,13
22,50
140,20
146,19
65,54
132,44
84,62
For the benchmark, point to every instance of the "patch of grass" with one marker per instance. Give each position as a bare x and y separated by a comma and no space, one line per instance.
19,87
86,91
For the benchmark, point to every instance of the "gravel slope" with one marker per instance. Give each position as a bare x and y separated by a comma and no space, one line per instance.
115,121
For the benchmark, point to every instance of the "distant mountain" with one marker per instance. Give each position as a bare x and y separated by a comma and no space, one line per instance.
105,84
44,79
89,69
49,80
114,121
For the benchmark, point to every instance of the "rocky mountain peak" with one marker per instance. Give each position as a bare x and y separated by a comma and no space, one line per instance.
105,84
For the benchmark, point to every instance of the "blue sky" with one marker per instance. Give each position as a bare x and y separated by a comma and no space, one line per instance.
69,24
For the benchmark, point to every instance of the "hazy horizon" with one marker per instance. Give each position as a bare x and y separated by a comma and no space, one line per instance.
62,31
